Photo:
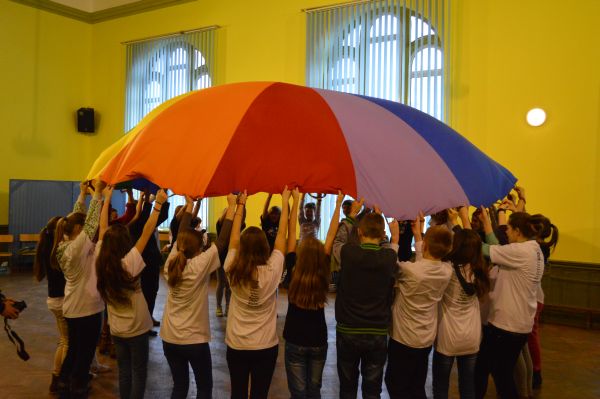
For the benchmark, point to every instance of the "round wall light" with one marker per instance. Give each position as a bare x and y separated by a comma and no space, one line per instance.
536,117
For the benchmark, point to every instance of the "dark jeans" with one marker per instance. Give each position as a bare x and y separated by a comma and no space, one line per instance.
366,350
149,281
222,285
254,365
132,359
304,368
498,355
442,365
83,337
406,371
198,356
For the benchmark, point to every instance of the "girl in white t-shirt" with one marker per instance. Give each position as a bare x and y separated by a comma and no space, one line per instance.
185,327
118,267
254,275
82,308
512,302
459,323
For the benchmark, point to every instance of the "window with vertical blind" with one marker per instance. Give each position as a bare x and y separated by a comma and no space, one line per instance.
392,49
162,68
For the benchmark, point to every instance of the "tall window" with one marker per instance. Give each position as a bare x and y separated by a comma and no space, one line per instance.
392,49
160,69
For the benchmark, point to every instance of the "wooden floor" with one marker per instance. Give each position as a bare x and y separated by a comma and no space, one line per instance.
571,356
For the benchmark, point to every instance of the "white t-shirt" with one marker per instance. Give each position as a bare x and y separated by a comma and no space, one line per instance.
513,301
134,320
253,309
185,317
459,326
420,287
78,265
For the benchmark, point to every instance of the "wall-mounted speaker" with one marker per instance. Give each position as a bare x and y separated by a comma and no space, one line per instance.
85,120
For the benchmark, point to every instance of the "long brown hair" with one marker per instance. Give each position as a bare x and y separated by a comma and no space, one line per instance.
254,251
310,281
466,250
64,226
189,243
43,250
114,282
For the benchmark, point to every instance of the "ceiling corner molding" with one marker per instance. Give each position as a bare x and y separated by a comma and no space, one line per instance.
132,9
59,9
102,15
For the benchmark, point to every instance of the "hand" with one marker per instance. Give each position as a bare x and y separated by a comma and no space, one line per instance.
241,198
99,185
161,196
9,311
296,194
152,197
484,217
189,201
107,192
231,199
339,199
319,197
394,229
508,205
453,216
285,194
520,192
416,226
376,209
83,187
463,211
356,207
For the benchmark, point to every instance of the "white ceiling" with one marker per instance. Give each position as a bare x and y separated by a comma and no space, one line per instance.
94,5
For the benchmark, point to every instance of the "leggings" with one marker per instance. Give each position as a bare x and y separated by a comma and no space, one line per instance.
254,366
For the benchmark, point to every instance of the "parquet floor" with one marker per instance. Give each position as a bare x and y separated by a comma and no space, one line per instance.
571,356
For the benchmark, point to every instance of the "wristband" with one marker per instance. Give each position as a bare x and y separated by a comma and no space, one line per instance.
159,203
156,209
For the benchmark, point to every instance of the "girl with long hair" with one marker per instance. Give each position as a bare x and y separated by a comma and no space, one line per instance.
512,301
73,252
305,330
459,325
44,268
254,275
118,267
185,326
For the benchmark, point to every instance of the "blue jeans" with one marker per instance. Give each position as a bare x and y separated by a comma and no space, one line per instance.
304,368
442,365
368,351
132,359
198,355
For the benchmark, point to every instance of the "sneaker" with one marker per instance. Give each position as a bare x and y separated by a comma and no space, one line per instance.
155,322
219,311
152,333
537,380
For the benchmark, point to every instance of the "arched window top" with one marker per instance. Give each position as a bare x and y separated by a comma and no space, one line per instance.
419,28
386,24
178,56
427,59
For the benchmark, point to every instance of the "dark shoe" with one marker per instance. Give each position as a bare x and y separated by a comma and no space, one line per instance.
63,388
54,384
537,380
155,323
152,333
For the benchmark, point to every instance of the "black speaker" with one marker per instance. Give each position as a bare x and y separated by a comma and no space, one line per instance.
85,120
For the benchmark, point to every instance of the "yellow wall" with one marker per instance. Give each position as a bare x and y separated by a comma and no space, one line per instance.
45,77
509,56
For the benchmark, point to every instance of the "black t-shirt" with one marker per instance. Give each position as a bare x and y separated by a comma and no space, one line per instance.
270,230
305,327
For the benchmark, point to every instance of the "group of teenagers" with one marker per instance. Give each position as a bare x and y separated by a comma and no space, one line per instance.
471,293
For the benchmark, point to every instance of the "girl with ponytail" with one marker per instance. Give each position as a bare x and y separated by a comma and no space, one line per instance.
118,267
185,327
43,267
459,326
73,252
512,301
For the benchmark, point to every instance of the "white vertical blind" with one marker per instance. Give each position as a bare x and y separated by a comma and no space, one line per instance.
160,69
392,49
163,68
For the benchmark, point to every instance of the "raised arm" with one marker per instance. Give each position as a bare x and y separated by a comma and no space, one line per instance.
334,224
301,218
490,237
417,230
186,215
266,208
234,239
138,209
150,225
105,211
521,193
292,226
196,208
463,214
280,240
83,192
92,218
318,210
226,226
